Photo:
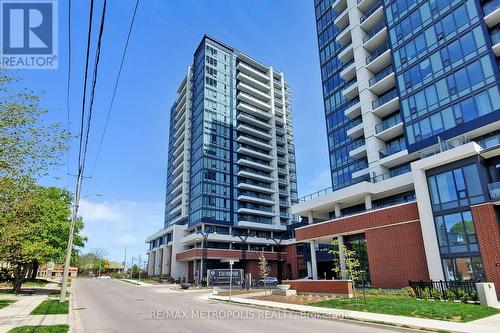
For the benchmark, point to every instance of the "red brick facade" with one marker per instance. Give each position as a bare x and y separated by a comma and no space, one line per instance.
488,237
338,287
396,254
378,218
394,241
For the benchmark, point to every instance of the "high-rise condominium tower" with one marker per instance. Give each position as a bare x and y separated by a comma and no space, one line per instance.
231,175
412,105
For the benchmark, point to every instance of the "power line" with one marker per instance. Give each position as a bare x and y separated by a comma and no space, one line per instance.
69,84
82,152
115,86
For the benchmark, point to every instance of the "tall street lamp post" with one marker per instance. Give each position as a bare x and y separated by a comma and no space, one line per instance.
203,268
278,244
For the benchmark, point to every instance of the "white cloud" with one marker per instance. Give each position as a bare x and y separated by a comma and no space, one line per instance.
112,224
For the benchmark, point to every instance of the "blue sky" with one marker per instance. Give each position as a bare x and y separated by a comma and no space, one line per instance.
131,170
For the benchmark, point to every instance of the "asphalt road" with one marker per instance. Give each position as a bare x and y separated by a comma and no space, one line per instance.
116,306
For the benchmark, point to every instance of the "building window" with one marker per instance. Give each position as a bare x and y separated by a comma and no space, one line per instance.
463,269
456,233
456,188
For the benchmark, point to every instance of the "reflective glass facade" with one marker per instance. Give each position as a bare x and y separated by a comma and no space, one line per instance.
447,75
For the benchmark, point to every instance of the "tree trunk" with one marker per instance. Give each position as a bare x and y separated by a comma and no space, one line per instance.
34,270
19,275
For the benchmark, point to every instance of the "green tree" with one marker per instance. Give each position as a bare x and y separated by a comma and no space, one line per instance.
351,267
29,144
264,270
34,227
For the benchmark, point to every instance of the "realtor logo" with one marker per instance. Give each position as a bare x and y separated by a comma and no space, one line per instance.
29,34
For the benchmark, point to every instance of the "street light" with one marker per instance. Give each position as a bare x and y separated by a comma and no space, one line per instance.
243,248
203,268
278,243
125,260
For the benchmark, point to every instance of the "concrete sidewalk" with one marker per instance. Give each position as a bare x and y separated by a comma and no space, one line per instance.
18,313
486,325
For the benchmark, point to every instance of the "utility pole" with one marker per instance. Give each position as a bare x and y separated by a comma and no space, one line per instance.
69,248
125,260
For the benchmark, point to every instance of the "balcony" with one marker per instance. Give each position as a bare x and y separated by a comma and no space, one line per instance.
372,17
253,174
347,54
256,212
491,11
361,172
339,5
375,36
351,89
494,190
248,161
253,110
349,71
256,154
260,144
354,110
251,187
358,152
356,131
253,120
255,131
495,41
253,101
393,173
379,59
386,104
252,72
255,199
342,20
242,77
365,5
383,81
344,37
265,97
389,128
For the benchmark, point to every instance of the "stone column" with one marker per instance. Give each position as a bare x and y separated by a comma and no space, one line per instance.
337,210
343,274
368,202
314,264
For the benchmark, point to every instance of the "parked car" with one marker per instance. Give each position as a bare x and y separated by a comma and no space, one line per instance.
269,281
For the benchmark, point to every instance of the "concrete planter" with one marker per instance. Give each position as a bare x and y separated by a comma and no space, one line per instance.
284,286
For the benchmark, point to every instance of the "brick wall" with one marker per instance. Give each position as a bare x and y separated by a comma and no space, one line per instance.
337,287
396,254
488,237
377,218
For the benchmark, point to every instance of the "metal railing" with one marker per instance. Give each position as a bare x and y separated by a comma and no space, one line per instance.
491,6
391,174
444,145
444,288
392,149
380,75
385,98
370,11
374,31
375,54
388,123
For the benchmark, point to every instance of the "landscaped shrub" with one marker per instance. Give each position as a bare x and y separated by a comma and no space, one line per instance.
449,295
434,293
425,294
117,276
408,292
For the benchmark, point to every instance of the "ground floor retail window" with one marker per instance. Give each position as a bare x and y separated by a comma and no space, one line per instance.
463,269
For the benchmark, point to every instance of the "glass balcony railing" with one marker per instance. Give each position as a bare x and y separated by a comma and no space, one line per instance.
380,75
494,189
392,149
370,11
385,98
388,123
490,142
392,173
375,54
490,6
495,36
374,31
